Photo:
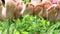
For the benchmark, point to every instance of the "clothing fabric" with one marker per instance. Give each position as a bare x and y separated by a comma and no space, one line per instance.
53,1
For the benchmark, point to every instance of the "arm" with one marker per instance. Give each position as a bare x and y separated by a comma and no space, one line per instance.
23,9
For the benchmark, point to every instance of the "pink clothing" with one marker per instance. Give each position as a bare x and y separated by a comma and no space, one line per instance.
53,1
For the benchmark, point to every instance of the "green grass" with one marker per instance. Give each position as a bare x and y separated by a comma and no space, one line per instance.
29,25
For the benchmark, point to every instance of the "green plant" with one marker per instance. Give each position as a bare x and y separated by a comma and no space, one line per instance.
26,1
29,25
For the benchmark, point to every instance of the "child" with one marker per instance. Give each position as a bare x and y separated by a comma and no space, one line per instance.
52,11
46,4
33,8
13,8
1,9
